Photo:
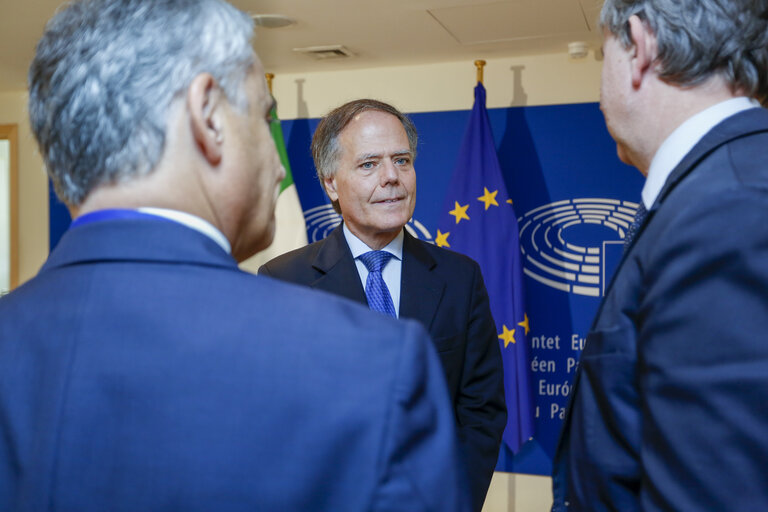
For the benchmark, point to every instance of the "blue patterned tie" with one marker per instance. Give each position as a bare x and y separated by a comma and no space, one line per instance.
632,231
376,290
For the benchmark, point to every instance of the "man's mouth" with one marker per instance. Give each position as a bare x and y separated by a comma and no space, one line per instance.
389,201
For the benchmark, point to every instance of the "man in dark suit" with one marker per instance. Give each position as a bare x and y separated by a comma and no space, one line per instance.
364,153
140,370
669,409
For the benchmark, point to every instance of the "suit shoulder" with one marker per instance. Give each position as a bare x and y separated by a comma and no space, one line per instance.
446,256
288,263
748,157
330,316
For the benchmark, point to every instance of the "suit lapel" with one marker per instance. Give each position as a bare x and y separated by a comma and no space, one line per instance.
338,273
420,288
740,125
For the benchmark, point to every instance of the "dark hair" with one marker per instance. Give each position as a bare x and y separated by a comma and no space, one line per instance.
701,38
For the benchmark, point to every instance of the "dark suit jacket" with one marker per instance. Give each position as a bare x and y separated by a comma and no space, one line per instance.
444,291
670,406
141,370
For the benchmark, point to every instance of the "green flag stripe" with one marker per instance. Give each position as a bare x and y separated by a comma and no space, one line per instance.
277,136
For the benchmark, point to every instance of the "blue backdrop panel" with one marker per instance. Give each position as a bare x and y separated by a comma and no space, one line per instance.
573,199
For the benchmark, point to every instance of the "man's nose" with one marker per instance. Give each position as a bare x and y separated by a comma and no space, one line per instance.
388,173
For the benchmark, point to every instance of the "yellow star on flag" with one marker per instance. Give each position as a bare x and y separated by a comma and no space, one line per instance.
489,198
525,324
509,201
507,335
442,238
460,212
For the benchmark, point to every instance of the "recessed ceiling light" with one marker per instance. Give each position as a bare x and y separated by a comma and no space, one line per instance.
272,20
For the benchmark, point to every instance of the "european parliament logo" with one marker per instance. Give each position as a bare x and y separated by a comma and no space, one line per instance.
574,245
323,219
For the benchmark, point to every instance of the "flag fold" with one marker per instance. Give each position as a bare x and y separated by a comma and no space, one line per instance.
478,220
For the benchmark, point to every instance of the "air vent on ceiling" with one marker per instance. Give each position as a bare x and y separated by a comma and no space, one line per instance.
272,20
335,51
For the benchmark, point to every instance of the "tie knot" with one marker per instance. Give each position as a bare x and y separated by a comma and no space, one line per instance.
374,261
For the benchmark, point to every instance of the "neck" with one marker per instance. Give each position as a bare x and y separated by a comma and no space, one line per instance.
667,108
376,241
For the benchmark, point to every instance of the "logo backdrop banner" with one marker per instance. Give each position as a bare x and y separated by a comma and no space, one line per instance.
573,199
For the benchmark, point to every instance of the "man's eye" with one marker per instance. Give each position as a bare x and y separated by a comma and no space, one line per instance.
401,161
367,165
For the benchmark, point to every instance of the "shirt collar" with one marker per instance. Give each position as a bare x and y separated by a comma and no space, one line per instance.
683,139
192,222
358,247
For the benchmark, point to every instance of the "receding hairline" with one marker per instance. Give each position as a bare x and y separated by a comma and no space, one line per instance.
407,151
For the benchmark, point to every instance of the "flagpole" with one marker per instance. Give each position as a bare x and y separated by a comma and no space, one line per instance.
480,64
269,77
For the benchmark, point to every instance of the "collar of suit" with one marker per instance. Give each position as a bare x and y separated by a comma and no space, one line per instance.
140,240
420,288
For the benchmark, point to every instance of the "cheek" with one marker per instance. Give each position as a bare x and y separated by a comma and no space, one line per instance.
410,184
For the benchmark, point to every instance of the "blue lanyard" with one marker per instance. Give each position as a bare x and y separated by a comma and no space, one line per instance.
111,214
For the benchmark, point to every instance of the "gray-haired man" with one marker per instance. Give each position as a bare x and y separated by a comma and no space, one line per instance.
669,406
141,370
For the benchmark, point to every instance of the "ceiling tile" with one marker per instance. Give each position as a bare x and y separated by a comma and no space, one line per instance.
511,20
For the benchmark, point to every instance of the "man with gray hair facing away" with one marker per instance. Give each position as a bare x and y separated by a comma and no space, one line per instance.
669,409
141,370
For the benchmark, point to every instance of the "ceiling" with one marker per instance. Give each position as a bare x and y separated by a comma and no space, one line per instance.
377,32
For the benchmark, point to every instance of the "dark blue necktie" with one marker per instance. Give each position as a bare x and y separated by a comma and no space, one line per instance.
376,290
632,231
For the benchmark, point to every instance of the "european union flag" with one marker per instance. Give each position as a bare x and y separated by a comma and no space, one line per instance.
479,221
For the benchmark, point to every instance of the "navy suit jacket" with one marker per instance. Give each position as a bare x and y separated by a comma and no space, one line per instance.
670,405
444,291
141,370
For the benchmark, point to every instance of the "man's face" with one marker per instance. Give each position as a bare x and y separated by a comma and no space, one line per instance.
614,86
258,170
375,182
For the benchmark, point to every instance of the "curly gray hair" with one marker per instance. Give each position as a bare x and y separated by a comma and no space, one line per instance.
105,73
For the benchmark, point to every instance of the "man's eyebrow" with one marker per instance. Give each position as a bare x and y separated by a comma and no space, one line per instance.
378,156
369,156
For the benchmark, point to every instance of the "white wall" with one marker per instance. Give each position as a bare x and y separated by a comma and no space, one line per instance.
33,188
534,80
5,217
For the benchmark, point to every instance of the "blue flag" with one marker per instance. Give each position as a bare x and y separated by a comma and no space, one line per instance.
478,220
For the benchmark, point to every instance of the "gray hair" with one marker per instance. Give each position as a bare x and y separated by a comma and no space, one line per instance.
701,38
106,72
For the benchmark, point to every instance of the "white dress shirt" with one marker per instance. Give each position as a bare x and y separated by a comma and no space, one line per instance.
391,271
683,139
193,222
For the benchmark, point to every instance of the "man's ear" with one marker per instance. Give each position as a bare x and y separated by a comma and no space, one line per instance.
330,188
644,52
203,104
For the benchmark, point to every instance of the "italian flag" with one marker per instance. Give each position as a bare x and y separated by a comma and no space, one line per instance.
290,229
